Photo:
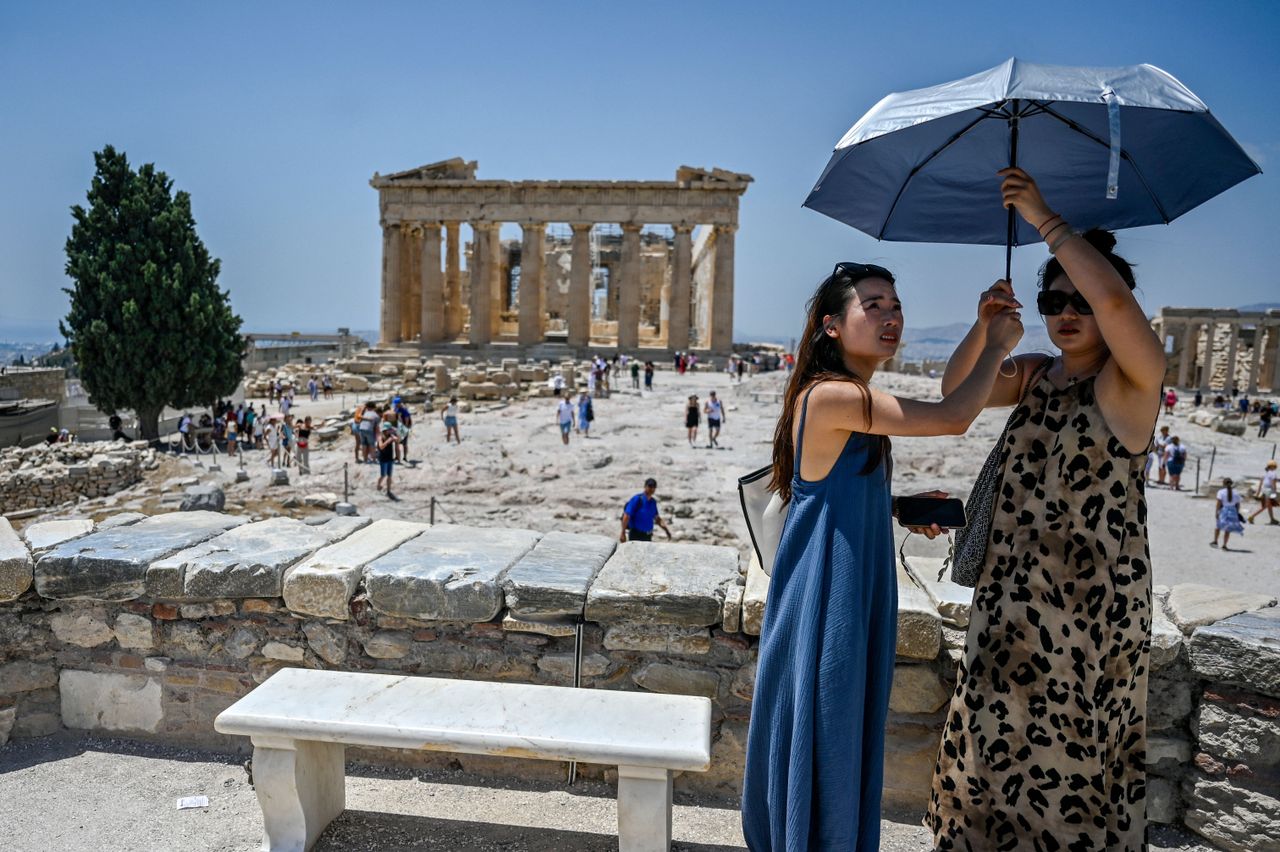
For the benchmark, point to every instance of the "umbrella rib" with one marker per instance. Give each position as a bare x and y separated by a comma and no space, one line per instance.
1124,155
955,137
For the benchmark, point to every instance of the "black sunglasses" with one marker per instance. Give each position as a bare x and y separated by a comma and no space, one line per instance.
859,271
1050,303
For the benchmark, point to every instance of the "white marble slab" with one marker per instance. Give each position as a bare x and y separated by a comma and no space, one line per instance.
951,599
323,583
46,534
477,717
16,566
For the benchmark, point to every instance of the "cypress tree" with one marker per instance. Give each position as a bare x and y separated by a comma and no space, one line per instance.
148,325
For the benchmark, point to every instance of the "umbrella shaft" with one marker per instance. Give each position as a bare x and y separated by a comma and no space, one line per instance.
1011,225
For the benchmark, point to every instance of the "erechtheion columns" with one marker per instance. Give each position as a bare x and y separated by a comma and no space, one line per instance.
1215,350
626,265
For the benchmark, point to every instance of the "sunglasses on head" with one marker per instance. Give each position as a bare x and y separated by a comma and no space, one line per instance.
853,270
1051,303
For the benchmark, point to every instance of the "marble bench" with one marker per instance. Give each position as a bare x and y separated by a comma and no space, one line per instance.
301,720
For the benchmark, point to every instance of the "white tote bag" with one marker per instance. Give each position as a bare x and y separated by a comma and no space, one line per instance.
765,512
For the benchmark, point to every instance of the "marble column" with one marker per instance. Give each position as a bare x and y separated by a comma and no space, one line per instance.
493,269
1233,342
580,286
722,291
452,282
481,328
1255,363
1188,354
629,289
1273,357
411,308
1206,372
389,330
532,293
681,289
433,309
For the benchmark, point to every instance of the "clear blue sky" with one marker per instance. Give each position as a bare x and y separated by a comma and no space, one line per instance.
274,116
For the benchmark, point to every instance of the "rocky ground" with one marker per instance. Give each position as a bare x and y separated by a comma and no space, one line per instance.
125,797
512,470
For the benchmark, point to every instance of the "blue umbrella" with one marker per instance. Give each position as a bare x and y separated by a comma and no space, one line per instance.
1109,147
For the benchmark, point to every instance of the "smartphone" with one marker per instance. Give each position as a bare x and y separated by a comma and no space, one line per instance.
946,512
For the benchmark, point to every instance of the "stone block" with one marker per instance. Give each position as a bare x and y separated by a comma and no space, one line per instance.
325,642
8,716
1192,605
1167,753
1243,649
1168,703
449,573
16,566
388,645
26,676
99,701
919,625
246,562
323,583
551,580
1166,641
1238,736
134,631
323,499
744,681
754,597
112,564
1162,800
543,628
677,680
46,534
663,584
123,519
279,476
951,600
561,666
203,498
241,644
917,689
83,628
731,615
282,651
658,638
910,751
1231,817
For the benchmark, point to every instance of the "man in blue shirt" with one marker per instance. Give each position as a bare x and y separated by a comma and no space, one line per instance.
641,513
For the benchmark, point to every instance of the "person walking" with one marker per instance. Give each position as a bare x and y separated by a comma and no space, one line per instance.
1264,419
564,417
1161,446
714,410
313,388
815,744
328,386
1266,493
586,414
692,417
304,446
369,430
449,414
648,375
1228,518
1170,400
635,374
1175,455
387,441
271,434
404,425
1044,744
641,513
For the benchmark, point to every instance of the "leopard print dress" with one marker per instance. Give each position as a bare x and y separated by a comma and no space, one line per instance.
1044,745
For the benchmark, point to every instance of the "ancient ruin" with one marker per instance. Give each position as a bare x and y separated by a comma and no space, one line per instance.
585,276
1215,349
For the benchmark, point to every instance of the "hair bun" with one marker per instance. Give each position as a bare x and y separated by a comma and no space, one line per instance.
1103,241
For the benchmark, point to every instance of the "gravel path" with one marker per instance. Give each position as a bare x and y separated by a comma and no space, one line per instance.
74,793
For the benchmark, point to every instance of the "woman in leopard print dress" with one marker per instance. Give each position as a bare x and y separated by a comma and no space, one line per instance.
1044,746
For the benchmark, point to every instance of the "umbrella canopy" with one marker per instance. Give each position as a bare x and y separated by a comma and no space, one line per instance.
1109,147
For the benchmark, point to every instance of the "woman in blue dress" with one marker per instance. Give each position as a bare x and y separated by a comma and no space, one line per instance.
815,750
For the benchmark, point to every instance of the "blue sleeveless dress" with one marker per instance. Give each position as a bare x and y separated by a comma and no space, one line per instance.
815,748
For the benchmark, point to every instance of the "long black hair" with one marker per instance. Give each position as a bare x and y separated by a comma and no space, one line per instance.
818,359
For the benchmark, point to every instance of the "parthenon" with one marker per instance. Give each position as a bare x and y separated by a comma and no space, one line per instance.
623,265
1214,349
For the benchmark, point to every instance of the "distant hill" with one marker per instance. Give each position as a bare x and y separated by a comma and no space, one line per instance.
1260,306
936,343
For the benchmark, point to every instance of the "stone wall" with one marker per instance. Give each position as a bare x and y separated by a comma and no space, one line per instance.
52,474
149,627
35,382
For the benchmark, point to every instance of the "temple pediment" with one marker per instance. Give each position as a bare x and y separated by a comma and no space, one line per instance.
452,169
